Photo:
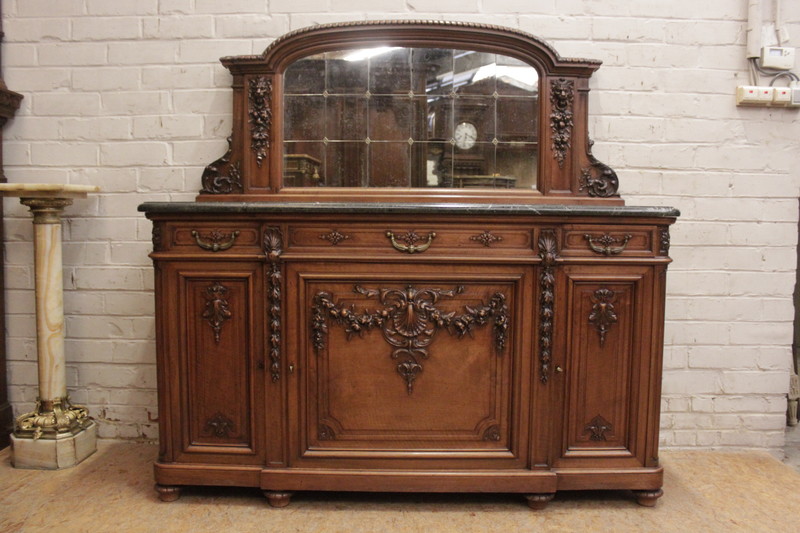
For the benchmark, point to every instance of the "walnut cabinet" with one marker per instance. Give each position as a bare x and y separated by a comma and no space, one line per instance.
447,295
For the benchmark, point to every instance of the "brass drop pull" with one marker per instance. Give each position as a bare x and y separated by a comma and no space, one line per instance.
215,245
411,238
559,369
603,245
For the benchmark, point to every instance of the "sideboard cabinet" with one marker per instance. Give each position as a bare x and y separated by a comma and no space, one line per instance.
405,275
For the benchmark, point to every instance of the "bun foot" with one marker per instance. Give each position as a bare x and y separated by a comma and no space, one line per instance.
278,499
168,493
648,498
537,502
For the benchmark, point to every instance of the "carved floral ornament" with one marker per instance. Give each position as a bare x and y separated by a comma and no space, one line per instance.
273,247
409,321
217,309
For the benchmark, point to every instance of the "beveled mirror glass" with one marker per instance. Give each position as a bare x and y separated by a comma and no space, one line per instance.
410,117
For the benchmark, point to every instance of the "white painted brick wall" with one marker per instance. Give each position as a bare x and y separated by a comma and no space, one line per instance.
129,95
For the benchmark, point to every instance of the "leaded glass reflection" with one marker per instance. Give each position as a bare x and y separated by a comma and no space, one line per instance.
410,117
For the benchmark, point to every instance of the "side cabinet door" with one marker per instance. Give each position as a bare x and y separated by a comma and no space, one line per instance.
211,313
611,343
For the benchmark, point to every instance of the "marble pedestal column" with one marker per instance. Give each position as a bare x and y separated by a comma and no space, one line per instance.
57,434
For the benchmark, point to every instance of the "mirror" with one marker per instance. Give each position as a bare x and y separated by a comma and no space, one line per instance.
410,117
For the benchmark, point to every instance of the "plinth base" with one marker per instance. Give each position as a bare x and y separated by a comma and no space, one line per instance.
54,454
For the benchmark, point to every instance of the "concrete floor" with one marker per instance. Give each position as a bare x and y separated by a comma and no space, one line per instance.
112,492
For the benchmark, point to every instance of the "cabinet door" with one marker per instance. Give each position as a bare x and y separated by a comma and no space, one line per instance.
409,366
211,357
612,354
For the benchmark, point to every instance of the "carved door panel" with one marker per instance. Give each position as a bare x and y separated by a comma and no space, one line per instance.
409,365
609,357
215,361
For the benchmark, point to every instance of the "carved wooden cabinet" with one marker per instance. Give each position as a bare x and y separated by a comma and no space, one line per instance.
394,322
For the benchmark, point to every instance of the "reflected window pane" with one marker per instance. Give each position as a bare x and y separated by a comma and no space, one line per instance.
410,117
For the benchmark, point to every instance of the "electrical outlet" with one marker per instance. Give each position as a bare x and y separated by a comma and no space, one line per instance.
782,96
753,95
777,57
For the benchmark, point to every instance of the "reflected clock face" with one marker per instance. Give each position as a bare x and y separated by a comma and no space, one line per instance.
465,135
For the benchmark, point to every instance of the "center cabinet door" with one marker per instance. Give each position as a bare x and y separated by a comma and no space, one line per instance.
410,366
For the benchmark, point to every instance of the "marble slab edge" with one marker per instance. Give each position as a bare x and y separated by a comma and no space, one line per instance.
399,208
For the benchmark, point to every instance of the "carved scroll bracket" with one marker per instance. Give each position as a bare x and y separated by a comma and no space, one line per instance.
598,179
223,176
273,247
548,252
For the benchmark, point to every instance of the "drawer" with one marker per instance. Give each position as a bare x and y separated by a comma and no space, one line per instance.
608,241
212,238
406,239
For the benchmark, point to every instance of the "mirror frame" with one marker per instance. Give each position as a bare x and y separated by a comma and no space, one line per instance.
252,168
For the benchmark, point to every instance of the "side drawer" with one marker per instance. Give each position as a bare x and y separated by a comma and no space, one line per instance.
214,238
393,239
609,241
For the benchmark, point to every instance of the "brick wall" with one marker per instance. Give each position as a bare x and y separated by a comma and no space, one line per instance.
129,95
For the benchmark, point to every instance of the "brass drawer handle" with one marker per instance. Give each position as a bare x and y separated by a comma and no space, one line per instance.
215,244
411,238
604,245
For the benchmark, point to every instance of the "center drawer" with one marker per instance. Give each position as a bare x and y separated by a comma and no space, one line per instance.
388,239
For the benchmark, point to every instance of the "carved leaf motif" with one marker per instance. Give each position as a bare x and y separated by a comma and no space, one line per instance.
409,320
219,425
603,314
597,428
217,309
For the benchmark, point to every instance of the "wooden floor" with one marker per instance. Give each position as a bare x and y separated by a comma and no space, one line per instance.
112,492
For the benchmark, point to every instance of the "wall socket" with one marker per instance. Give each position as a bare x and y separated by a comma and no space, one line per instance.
752,95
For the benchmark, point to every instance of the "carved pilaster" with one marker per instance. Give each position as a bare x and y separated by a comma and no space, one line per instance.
260,116
548,252
562,94
273,247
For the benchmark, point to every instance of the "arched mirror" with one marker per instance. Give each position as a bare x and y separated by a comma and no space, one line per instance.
421,117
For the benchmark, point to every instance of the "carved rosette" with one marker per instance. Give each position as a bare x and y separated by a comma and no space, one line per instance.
223,176
409,321
334,237
597,428
598,179
217,309
548,252
562,94
220,426
273,247
486,238
260,116
603,314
